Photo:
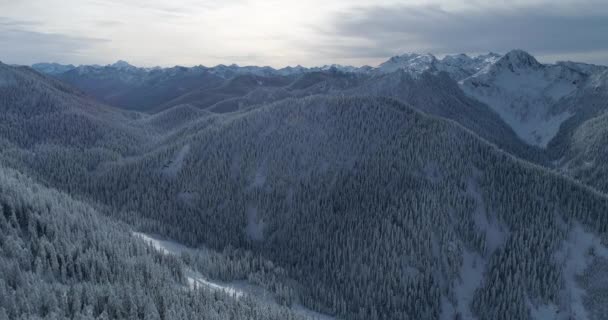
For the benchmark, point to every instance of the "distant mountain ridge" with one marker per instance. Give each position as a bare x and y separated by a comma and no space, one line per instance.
459,66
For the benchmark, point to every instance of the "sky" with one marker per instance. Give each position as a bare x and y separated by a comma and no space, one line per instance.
291,32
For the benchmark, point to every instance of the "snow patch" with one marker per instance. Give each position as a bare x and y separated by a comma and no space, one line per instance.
471,278
187,198
448,312
197,280
255,225
495,233
410,62
432,172
411,272
194,278
575,257
172,168
544,312
165,246
259,179
309,314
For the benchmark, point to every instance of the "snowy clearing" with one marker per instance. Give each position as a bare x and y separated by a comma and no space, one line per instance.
433,172
495,233
575,257
255,225
172,168
260,178
471,277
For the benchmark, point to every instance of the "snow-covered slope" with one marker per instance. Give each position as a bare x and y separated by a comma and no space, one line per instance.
523,92
410,62
459,66
52,68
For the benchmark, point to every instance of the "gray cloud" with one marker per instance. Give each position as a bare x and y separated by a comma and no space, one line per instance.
21,44
543,29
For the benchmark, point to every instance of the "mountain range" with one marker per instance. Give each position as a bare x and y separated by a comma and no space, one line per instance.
424,188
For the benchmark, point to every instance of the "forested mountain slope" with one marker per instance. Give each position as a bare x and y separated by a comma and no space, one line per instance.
236,87
586,155
579,148
138,88
47,126
435,94
349,194
60,259
422,81
38,110
439,95
153,89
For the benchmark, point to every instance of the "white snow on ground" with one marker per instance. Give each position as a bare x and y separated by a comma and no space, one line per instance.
575,257
525,105
310,314
545,312
447,309
473,264
236,289
187,198
197,280
432,172
166,246
470,279
411,62
259,179
523,92
255,225
172,168
496,234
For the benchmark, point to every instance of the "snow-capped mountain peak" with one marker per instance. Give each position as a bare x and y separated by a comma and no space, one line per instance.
518,60
457,59
122,65
411,62
524,93
52,68
458,67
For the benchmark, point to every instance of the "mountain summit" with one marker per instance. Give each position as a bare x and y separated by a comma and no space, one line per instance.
121,64
518,60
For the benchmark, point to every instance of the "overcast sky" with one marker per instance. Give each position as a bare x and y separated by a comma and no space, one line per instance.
291,32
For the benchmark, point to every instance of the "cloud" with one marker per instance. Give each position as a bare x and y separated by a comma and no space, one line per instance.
177,9
22,44
541,28
108,23
274,32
